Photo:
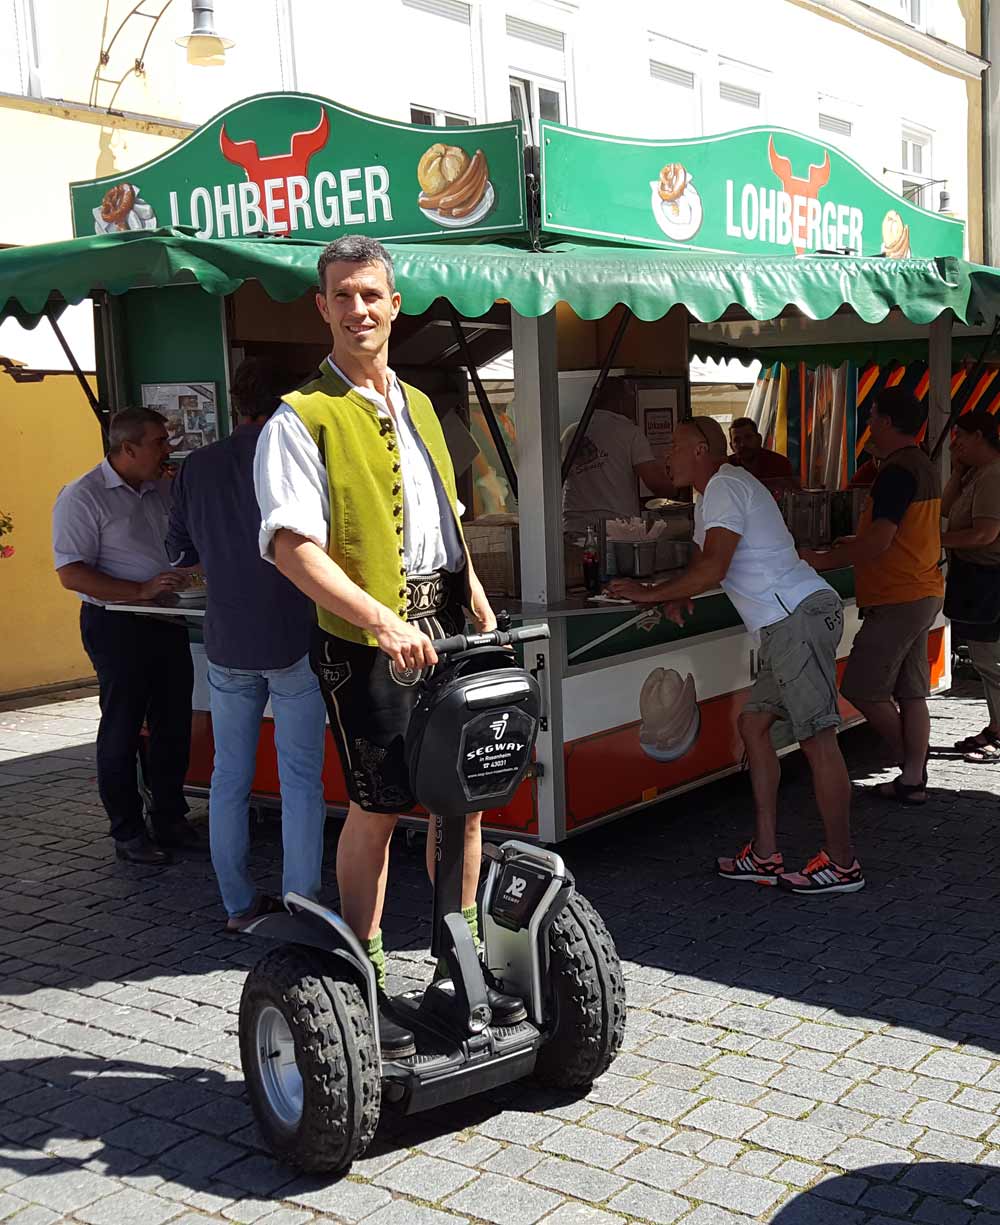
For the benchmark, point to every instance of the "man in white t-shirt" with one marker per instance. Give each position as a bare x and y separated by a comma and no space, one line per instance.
613,457
744,546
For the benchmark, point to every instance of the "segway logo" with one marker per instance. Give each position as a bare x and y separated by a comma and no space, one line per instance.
515,890
500,726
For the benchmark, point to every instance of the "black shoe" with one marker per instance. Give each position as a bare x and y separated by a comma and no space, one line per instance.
506,1009
396,1041
141,850
179,833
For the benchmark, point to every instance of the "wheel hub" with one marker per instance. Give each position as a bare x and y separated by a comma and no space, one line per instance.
279,1073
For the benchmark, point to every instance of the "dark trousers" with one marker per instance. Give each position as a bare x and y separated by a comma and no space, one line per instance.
144,671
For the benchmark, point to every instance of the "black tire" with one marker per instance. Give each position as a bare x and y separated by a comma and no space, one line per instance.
587,998
335,1053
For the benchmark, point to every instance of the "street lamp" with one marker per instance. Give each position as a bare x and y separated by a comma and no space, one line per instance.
205,48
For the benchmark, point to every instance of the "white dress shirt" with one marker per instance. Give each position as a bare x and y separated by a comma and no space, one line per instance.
292,490
101,520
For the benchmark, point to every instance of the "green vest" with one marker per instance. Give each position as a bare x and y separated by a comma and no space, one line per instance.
361,455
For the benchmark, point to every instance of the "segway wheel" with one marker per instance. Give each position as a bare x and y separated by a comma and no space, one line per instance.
309,1058
587,999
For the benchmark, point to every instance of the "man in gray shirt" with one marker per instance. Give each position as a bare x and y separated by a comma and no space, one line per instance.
108,531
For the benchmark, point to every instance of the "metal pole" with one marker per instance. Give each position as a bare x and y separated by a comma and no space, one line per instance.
960,402
80,377
484,403
595,392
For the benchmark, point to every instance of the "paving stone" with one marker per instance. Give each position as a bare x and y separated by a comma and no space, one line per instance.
503,1201
661,1103
582,1214
833,1039
349,1201
742,1067
466,1150
795,1139
724,1119
950,1065
759,1164
662,1170
593,1148
709,1214
937,1178
736,1191
519,1128
741,1092
859,1154
515,1160
129,1207
797,1173
842,1188
574,1178
62,1189
401,1212
889,1131
947,1147
784,1104
809,1084
888,1199
427,1178
893,1052
942,1117
649,1204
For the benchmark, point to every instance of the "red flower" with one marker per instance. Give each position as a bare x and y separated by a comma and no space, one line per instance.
6,550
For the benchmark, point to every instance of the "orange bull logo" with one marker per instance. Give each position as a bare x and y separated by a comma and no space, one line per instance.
279,197
794,216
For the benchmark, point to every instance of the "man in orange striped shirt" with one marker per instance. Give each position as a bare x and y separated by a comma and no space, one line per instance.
899,589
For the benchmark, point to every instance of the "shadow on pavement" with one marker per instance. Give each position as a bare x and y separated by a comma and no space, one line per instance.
944,1193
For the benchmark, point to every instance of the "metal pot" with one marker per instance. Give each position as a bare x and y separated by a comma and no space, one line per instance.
635,558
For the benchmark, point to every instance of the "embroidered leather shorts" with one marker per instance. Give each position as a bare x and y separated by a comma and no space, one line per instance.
369,700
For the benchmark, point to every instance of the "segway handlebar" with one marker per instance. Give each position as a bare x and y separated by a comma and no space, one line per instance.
496,638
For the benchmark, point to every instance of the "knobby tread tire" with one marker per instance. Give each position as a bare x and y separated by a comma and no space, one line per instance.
336,1055
588,997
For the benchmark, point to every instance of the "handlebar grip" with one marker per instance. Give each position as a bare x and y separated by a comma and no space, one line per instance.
528,633
495,638
448,646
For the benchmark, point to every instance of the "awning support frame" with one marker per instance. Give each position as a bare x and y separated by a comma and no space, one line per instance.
496,434
92,400
959,403
595,393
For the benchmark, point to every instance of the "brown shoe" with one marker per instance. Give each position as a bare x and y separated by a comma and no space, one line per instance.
264,905
141,850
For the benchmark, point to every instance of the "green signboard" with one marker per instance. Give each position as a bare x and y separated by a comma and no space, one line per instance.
759,190
299,165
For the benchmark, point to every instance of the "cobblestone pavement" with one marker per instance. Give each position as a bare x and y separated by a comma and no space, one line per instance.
791,1060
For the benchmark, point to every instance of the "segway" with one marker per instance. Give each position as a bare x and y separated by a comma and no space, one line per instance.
308,1016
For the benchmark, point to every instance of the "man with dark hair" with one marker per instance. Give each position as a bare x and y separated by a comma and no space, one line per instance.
357,494
899,590
107,532
257,631
771,468
613,457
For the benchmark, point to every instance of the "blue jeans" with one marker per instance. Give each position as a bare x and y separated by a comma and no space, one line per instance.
238,699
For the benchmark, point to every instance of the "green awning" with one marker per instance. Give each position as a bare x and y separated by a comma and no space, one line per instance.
592,279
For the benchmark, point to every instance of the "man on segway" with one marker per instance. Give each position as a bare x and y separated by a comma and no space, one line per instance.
359,510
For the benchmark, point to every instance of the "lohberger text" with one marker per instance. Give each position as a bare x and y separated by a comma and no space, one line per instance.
767,215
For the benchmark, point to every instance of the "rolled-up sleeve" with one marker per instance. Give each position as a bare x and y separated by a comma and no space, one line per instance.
76,533
291,482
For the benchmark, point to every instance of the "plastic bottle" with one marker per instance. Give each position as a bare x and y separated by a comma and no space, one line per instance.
591,562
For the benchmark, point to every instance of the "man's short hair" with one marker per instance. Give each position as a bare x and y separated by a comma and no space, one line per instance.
612,394
902,408
258,385
130,426
979,421
355,249
712,433
744,423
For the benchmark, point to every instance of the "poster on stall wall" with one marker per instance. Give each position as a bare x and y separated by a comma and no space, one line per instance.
190,410
658,409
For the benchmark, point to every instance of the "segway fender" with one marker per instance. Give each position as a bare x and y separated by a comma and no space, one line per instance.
315,926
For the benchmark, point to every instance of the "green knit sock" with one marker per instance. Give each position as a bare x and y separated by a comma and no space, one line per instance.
471,915
376,955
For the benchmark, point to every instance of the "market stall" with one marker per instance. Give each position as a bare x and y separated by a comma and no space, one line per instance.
209,254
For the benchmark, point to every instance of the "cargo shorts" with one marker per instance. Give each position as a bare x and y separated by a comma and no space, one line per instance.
797,676
889,657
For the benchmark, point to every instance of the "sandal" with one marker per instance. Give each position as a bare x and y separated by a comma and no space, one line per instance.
903,793
984,753
971,743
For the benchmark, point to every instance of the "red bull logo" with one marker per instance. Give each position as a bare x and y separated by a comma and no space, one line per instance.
794,216
278,195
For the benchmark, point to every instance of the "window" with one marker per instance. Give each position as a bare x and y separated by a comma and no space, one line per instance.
438,119
913,12
738,95
676,100
916,167
531,101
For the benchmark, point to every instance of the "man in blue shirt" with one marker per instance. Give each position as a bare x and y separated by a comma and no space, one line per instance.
257,631
107,535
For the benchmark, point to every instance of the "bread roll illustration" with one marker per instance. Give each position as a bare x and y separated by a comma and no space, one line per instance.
440,166
452,182
671,719
895,236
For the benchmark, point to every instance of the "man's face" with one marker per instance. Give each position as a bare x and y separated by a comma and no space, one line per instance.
745,441
688,444
148,458
878,426
359,307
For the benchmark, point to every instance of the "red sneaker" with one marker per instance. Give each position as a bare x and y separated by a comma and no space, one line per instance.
822,875
748,866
